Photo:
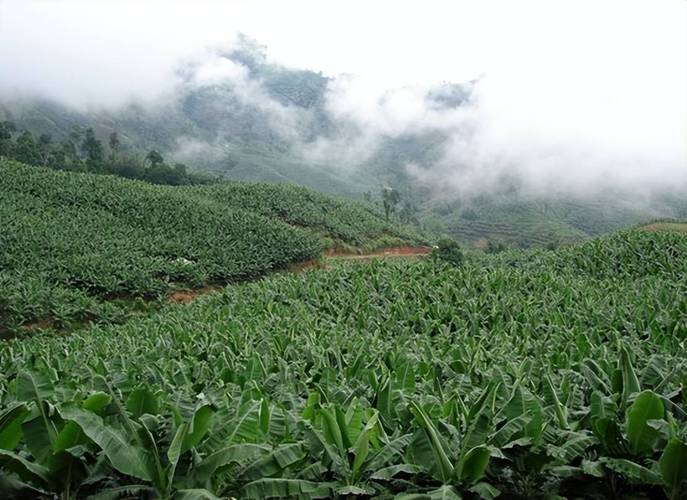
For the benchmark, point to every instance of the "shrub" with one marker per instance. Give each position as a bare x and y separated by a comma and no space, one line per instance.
495,247
448,250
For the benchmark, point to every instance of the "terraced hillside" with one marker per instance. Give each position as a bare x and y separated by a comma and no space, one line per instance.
77,247
668,225
538,222
539,374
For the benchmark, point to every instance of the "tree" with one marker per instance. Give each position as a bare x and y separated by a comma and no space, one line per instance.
93,149
390,198
495,246
6,130
56,158
76,135
180,174
70,156
114,146
154,158
26,150
44,148
448,250
129,167
407,213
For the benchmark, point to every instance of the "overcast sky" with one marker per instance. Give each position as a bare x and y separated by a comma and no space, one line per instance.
612,74
100,49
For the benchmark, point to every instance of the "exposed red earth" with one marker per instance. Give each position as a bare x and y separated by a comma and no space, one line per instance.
187,296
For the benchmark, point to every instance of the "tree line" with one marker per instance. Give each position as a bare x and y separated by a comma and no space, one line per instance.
390,200
82,151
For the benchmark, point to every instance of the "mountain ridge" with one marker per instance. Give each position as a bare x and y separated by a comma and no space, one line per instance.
260,121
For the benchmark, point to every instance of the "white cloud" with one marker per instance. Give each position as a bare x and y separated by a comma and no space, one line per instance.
217,70
575,93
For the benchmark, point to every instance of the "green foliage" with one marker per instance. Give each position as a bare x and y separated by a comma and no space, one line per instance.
496,247
343,220
448,250
673,465
7,128
390,198
92,148
25,149
240,141
83,151
526,375
78,248
542,222
154,158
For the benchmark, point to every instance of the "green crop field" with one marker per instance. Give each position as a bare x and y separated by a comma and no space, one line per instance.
529,223
539,374
345,221
78,248
680,227
386,250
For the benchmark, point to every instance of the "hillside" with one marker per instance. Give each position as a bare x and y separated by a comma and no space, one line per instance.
556,373
79,247
528,221
276,124
666,225
341,220
188,131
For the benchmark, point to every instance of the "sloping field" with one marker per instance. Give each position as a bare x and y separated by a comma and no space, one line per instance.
526,375
80,247
679,227
536,223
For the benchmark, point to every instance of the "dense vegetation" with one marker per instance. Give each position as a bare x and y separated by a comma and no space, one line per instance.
213,129
82,151
345,221
526,374
80,247
534,222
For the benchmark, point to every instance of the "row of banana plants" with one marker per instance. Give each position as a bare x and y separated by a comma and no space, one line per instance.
71,243
540,375
111,444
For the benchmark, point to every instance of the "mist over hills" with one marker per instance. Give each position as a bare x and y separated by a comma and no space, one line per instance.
462,272
235,113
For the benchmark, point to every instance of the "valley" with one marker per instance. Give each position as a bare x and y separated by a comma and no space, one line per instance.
395,250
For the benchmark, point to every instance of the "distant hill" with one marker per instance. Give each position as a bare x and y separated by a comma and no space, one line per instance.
81,247
530,221
261,125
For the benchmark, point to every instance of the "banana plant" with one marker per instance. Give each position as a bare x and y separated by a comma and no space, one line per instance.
457,462
55,445
352,444
633,428
134,445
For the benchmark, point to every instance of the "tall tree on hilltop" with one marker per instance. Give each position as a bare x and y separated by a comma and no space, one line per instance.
6,130
114,146
154,158
92,148
390,198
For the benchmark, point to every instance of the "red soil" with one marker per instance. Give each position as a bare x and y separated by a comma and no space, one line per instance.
387,252
187,296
